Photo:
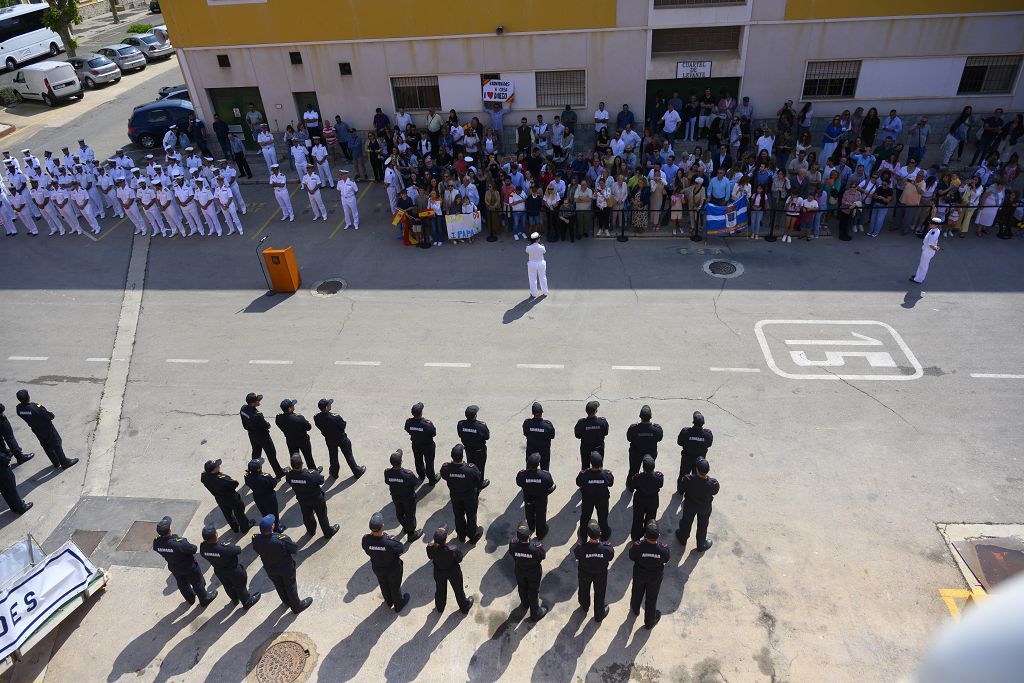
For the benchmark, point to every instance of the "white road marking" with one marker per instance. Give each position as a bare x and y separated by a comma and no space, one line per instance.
97,360
28,358
982,375
540,366
735,369
270,362
187,360
372,363
643,368
862,340
447,365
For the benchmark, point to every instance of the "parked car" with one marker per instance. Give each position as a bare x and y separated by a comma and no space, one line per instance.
168,89
154,6
126,57
150,46
161,33
50,82
181,93
95,69
149,122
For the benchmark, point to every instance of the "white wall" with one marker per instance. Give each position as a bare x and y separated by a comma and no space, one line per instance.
461,92
912,77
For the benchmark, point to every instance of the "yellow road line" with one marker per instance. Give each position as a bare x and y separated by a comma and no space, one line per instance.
951,596
276,211
115,227
342,209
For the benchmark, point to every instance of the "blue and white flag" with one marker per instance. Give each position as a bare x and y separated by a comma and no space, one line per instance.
725,220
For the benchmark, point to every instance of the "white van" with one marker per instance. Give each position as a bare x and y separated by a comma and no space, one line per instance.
50,82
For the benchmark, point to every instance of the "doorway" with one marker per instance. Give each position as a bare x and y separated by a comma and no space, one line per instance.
685,85
231,105
301,100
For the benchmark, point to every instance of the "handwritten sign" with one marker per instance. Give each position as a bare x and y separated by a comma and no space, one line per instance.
462,226
498,91
693,69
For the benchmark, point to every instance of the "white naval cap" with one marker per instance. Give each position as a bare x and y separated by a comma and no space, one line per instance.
135,169
343,170
26,151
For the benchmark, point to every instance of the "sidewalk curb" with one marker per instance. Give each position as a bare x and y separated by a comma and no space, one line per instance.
10,129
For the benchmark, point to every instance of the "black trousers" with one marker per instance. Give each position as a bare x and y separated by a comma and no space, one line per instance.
286,587
53,446
536,514
545,457
304,447
600,584
243,165
585,451
405,510
262,443
424,456
644,510
235,583
225,146
234,511
645,590
528,582
313,511
587,511
269,506
9,490
687,465
464,507
346,450
192,584
8,444
686,523
377,164
478,458
451,576
390,580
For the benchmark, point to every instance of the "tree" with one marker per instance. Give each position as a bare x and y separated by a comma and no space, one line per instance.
61,15
9,3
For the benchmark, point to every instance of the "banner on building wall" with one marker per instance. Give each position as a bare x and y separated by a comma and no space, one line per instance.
498,91
462,226
693,69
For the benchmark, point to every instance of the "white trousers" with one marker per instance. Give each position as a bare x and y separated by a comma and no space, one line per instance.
537,273
351,209
173,219
110,199
135,216
284,201
8,222
89,213
393,197
210,213
231,218
195,224
25,215
156,219
269,156
324,171
236,192
922,266
98,207
316,203
52,216
69,215
27,196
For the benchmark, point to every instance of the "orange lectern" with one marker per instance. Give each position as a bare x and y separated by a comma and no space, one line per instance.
283,269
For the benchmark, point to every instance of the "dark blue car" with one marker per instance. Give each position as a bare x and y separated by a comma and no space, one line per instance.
150,121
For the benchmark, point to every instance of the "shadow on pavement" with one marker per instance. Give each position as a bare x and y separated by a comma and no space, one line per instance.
411,657
491,659
345,660
520,309
235,664
618,660
192,649
558,664
140,652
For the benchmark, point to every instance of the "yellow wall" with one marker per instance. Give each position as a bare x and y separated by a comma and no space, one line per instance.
841,9
195,23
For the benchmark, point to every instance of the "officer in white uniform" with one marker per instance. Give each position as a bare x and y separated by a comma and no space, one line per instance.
349,194
147,199
19,183
323,167
83,202
928,249
280,184
105,184
266,142
27,159
299,156
129,205
230,176
41,198
62,199
193,160
124,162
85,152
208,205
226,201
536,266
392,183
186,198
311,184
23,212
87,180
7,213
165,200
8,159
171,138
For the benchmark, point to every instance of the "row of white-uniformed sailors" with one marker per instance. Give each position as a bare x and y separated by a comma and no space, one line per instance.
311,182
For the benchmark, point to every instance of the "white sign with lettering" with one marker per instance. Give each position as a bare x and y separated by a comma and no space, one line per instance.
498,91
693,69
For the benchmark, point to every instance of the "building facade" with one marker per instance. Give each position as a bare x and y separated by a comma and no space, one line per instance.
349,57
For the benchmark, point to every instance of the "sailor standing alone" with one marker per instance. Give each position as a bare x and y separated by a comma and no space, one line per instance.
928,250
536,266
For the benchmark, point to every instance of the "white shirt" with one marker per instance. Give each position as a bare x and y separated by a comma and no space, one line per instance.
672,120
183,193
86,154
80,197
348,188
194,161
535,252
170,139
402,120
224,196
265,139
145,196
39,194
618,146
279,178
391,178
931,239
311,182
765,142
105,182
298,153
126,194
320,153
600,120
205,196
311,119
165,196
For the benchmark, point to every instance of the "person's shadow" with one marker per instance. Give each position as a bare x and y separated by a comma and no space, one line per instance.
492,658
139,653
619,657
520,309
345,659
559,662
191,649
409,659
237,662
911,298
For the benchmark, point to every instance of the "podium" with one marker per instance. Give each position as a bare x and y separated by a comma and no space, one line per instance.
282,268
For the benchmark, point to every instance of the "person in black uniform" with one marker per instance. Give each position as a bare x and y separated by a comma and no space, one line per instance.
223,489
698,492
264,492
463,480
593,558
181,560
422,432
527,557
40,421
695,442
276,551
9,485
473,434
223,557
8,444
296,431
446,559
643,438
332,426
591,430
537,485
308,492
386,561
645,485
403,483
539,434
258,429
595,484
649,558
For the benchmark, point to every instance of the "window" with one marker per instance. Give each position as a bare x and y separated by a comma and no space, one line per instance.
824,80
157,116
664,4
345,68
295,57
989,74
416,92
703,39
223,61
559,88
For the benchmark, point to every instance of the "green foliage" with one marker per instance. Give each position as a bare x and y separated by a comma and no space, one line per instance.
62,13
7,96
140,28
9,3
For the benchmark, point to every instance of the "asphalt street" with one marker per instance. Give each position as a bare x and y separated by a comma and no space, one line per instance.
852,414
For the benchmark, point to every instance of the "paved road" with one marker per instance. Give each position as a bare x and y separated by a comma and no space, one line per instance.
827,562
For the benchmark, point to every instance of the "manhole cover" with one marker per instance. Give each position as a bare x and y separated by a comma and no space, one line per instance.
139,537
87,541
723,268
283,662
329,287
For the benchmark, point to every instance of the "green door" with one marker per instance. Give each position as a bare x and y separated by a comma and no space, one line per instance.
231,105
301,100
684,86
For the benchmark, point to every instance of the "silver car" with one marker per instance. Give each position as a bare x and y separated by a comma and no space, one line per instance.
150,46
126,57
95,69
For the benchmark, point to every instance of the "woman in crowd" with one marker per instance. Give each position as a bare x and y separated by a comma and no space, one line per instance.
376,152
755,210
804,118
639,201
830,139
970,197
551,203
869,128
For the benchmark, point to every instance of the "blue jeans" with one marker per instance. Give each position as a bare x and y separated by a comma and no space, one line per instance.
439,229
878,215
518,222
755,222
817,222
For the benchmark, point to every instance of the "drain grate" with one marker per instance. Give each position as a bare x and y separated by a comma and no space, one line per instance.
329,287
283,662
139,537
723,268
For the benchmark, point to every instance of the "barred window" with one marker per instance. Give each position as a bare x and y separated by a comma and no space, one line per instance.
665,4
559,88
824,80
992,74
700,39
416,92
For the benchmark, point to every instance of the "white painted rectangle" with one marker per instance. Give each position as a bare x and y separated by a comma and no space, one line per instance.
459,91
693,69
270,362
895,77
982,375
373,363
187,360
642,368
540,366
28,358
735,369
447,365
